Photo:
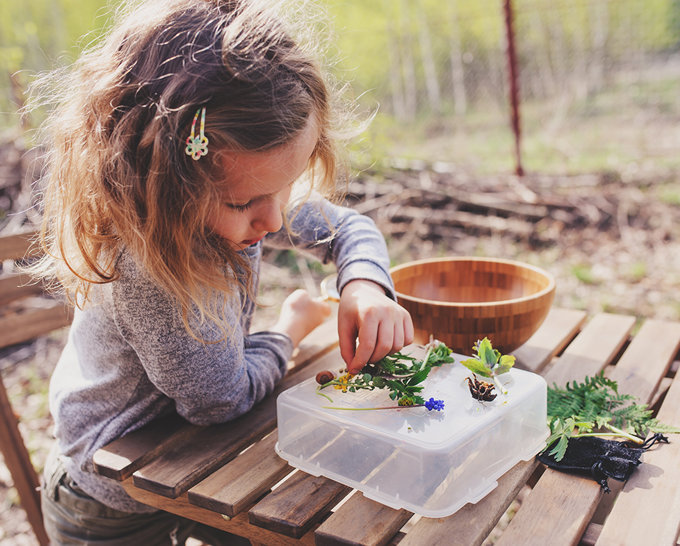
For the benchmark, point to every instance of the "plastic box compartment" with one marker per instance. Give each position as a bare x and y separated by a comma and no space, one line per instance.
428,462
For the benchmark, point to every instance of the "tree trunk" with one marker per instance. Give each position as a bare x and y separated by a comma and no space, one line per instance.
429,67
457,66
408,64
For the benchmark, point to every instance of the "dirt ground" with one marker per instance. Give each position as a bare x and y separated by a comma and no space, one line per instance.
597,267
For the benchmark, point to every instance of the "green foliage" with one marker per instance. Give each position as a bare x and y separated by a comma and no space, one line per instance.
584,274
38,35
402,375
379,48
595,407
489,362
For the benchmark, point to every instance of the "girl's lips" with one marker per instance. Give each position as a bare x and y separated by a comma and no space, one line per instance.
251,242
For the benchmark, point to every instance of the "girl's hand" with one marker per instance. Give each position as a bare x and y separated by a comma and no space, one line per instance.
300,314
380,324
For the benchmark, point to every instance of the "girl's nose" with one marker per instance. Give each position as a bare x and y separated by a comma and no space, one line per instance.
269,217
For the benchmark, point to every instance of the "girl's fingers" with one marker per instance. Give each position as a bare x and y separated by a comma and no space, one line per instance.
368,334
384,341
397,337
409,332
347,339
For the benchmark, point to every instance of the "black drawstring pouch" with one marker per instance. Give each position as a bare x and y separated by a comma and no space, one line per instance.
600,459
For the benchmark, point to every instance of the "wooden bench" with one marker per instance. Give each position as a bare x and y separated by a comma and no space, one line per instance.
26,313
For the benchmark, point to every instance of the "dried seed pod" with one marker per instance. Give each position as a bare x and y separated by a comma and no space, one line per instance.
324,377
481,390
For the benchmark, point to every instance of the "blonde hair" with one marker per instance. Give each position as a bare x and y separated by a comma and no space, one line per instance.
117,174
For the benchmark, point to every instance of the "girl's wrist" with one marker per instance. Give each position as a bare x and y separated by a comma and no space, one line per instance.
295,334
361,284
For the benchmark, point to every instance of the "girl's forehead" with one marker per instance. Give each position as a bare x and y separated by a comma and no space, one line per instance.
255,173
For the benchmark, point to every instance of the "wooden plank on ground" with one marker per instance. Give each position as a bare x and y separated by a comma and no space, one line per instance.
238,525
361,521
241,482
647,511
297,504
566,502
558,329
185,464
472,524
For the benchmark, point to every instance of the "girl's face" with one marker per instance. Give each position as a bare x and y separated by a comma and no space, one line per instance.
258,187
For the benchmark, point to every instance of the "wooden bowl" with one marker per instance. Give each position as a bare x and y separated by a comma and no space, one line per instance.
462,300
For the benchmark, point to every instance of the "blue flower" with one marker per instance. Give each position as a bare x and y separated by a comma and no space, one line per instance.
433,404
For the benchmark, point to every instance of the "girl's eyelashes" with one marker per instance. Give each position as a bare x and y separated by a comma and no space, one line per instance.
240,208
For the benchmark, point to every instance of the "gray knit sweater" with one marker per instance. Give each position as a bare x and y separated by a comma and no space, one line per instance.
129,358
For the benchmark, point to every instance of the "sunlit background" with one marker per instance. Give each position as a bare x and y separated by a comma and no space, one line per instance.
598,80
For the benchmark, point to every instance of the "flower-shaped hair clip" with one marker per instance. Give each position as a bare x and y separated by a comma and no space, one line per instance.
197,145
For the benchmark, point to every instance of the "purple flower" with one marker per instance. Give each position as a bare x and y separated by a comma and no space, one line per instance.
433,404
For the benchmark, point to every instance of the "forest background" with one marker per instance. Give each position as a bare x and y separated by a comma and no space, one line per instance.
599,88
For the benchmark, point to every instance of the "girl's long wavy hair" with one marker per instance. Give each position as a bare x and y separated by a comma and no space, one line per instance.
117,174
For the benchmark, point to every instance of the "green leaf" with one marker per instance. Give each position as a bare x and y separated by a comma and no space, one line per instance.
379,382
560,448
476,366
418,377
505,363
486,353
596,405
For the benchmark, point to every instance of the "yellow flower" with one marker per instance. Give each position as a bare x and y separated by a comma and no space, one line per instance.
343,381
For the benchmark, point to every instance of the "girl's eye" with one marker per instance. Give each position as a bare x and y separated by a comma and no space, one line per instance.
240,208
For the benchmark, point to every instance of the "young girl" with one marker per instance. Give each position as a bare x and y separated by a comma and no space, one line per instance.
174,153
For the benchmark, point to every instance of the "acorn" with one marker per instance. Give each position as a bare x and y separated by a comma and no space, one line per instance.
324,377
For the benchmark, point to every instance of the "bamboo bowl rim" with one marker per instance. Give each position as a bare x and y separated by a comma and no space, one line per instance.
467,304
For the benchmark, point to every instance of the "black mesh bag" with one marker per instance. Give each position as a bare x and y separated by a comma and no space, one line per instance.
599,458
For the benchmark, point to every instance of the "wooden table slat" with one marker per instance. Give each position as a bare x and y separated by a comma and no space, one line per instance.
238,525
644,364
597,345
361,521
184,465
282,510
558,329
567,502
472,524
652,494
241,482
119,459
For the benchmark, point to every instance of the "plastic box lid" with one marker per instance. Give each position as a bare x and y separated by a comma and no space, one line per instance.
428,462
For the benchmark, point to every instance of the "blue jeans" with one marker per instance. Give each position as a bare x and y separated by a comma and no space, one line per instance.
71,516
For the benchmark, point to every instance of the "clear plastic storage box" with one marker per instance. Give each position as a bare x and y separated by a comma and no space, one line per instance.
428,462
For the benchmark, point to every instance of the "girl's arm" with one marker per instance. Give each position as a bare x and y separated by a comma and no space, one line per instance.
370,322
216,379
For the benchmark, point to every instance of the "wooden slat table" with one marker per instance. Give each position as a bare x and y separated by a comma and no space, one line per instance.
229,476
